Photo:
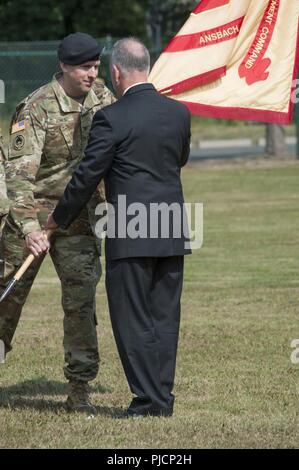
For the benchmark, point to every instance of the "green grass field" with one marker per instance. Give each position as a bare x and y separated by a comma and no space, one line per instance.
235,384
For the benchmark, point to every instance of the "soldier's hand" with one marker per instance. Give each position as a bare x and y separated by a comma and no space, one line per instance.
51,224
37,243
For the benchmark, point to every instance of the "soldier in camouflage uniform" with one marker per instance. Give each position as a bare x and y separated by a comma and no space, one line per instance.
4,203
48,135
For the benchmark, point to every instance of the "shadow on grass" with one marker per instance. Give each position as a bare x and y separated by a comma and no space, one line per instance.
57,407
22,395
44,386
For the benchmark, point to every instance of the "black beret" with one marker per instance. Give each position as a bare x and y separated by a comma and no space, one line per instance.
78,48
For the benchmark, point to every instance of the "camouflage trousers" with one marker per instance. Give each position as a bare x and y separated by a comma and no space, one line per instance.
77,263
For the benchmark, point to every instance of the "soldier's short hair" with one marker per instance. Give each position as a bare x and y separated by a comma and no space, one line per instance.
130,54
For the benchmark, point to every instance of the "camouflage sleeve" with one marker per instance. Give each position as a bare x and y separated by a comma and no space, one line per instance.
27,135
112,97
1,148
4,202
104,94
107,97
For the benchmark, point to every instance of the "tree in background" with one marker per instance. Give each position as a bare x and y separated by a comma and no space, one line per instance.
53,19
164,19
275,140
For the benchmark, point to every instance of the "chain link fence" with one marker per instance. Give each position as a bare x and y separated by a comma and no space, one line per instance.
25,66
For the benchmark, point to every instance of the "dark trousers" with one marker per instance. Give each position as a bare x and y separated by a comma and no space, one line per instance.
144,301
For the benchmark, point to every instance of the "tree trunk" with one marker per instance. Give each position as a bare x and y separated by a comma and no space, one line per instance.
68,24
69,12
275,140
296,121
154,30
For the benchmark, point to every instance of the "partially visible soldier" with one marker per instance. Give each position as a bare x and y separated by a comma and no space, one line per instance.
48,135
3,193
4,203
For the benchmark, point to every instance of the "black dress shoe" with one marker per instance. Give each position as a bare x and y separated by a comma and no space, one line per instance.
139,402
145,407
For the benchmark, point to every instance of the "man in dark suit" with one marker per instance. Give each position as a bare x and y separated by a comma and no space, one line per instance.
138,145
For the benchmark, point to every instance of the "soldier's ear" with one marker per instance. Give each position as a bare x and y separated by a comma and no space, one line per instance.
63,67
116,73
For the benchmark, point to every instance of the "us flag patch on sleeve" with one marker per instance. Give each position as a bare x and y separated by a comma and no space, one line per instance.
18,126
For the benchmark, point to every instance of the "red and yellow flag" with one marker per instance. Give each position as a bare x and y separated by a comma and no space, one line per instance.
234,59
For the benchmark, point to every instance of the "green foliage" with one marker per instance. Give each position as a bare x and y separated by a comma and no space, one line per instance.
54,19
164,19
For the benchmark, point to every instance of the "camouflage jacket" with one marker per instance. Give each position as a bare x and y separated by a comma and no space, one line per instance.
48,135
4,203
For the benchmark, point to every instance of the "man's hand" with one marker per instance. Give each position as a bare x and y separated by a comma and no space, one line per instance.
51,224
37,243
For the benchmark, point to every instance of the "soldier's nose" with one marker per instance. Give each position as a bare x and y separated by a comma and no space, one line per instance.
93,73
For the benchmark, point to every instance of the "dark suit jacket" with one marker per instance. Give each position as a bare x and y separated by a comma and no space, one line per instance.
138,145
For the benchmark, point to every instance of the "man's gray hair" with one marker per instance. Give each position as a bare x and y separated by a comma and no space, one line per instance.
130,54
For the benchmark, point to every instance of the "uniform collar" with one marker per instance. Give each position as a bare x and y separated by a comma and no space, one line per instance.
68,104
